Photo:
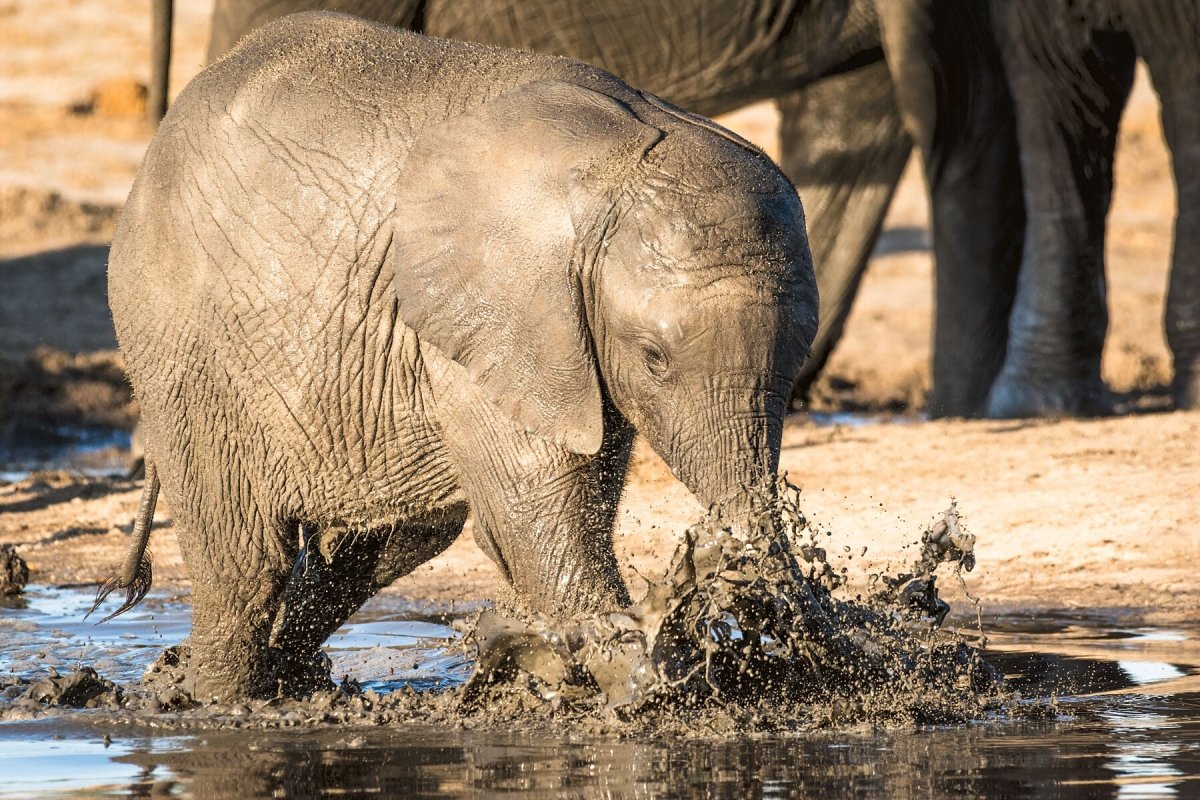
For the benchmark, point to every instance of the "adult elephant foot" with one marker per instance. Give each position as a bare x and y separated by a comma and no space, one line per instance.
1016,397
1185,390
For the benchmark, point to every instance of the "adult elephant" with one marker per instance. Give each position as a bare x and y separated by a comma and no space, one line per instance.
980,81
841,138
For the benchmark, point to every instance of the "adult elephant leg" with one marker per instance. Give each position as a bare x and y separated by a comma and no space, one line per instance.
843,145
162,14
1168,37
1069,85
334,574
955,103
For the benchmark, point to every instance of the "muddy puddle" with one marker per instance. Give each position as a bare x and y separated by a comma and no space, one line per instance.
1101,711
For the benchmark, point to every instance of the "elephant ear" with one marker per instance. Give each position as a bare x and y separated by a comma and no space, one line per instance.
486,251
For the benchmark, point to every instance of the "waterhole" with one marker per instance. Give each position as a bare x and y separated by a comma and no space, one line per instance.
1118,715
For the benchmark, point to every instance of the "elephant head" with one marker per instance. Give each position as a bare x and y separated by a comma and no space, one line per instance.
706,306
590,259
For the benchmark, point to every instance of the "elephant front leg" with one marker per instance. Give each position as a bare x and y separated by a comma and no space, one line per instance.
326,586
336,571
1069,87
543,514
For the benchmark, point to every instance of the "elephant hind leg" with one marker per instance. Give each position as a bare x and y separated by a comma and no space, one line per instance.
1170,44
842,144
335,572
238,578
950,86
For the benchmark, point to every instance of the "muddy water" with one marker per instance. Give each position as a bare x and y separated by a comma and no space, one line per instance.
1105,712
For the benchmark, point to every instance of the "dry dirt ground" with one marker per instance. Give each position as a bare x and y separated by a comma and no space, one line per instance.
1095,516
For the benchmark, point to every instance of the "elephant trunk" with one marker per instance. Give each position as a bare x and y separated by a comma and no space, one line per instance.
729,452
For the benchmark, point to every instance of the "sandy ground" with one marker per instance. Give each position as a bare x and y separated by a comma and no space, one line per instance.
1096,516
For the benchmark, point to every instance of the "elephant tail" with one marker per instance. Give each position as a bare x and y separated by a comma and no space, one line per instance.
160,59
136,573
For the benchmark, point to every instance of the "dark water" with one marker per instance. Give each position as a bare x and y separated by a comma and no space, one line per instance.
86,450
1143,740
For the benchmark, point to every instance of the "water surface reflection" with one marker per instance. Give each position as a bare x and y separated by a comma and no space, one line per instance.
1104,752
1142,741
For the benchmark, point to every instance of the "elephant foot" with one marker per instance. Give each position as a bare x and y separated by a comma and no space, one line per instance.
300,675
205,679
1185,390
1015,397
167,679
177,681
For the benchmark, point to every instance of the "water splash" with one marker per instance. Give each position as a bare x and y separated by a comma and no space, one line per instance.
749,621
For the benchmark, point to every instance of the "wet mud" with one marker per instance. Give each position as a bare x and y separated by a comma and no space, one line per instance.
747,631
752,665
1115,717
14,572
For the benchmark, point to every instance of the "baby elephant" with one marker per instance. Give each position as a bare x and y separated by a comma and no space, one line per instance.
368,280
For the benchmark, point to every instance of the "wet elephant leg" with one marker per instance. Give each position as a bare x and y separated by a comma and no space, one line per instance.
951,90
238,565
334,574
1167,35
842,144
237,547
552,535
1069,85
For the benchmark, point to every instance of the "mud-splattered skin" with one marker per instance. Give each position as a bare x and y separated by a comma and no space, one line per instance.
367,280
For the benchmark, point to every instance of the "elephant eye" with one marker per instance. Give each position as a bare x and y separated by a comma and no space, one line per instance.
655,359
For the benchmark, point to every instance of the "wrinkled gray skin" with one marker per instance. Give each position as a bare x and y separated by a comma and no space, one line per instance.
1047,80
1001,346
367,280
841,139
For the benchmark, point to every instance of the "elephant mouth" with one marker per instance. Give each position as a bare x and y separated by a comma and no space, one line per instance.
487,543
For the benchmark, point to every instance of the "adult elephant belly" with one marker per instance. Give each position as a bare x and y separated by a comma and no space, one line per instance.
233,19
709,57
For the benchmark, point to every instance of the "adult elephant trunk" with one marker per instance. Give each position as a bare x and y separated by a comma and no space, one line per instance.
160,59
